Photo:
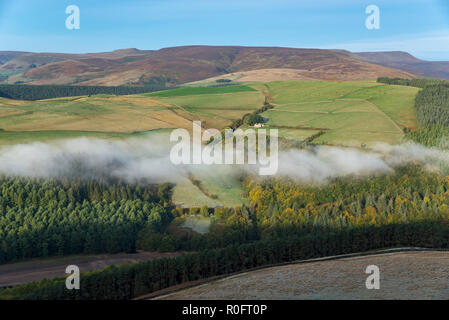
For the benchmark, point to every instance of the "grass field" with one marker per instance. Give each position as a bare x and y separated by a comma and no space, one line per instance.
283,92
125,114
296,134
8,138
352,113
216,110
111,114
395,101
199,90
218,180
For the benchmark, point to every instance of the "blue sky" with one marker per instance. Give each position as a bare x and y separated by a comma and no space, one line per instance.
420,27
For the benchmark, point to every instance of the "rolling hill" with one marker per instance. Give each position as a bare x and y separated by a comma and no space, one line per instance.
177,65
407,62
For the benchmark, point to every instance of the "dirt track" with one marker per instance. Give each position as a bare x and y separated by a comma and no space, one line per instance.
38,269
405,275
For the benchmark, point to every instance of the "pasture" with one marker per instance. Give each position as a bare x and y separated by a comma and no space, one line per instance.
107,116
216,110
199,90
351,113
222,181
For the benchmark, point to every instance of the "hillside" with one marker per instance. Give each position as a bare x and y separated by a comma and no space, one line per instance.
407,62
186,64
407,275
347,113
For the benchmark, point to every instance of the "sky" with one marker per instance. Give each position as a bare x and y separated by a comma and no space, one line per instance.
420,27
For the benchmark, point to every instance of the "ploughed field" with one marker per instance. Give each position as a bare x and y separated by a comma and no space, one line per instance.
16,273
405,275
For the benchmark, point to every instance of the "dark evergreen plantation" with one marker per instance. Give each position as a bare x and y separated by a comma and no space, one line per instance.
40,218
38,92
416,82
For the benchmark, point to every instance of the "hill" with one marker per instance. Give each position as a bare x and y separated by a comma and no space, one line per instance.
407,62
406,275
185,64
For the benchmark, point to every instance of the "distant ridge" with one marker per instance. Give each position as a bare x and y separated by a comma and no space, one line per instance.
405,61
177,65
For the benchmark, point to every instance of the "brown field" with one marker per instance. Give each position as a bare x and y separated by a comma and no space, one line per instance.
8,112
262,75
38,269
4,102
329,72
404,275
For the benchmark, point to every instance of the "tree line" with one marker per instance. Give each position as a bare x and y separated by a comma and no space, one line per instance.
130,281
415,82
38,92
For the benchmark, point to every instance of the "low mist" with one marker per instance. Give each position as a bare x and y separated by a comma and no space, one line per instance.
148,158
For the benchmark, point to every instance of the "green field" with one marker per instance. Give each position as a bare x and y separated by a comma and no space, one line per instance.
199,90
9,138
283,92
296,134
395,101
216,110
221,181
351,113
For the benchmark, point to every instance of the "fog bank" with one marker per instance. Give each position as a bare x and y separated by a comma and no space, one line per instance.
149,158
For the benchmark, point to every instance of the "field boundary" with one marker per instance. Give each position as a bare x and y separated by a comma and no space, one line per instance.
197,283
